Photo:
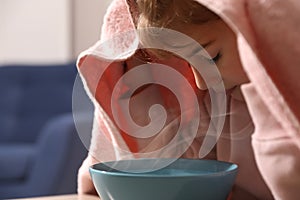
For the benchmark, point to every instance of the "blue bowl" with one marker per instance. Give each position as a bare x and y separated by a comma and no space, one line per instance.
183,179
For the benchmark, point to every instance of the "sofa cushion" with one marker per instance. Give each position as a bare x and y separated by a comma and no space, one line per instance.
30,96
15,161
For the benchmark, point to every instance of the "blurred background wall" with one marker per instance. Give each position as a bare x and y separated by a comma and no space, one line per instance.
48,31
40,148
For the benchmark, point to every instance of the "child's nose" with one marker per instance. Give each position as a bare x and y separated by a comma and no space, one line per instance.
199,80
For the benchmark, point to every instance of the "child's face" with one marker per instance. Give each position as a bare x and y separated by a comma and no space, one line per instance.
220,43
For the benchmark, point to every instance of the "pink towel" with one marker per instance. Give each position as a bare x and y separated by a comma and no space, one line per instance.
268,35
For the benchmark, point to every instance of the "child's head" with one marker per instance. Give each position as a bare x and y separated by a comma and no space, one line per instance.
204,26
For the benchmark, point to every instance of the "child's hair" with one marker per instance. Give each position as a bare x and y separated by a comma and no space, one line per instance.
169,14
163,13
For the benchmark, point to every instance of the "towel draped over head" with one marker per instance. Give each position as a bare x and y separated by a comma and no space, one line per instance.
268,38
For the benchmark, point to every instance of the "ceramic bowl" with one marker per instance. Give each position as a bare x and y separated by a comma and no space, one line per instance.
182,179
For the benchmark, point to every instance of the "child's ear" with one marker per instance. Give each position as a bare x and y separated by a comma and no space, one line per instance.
134,11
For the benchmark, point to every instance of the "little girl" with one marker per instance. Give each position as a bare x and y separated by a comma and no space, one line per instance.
272,138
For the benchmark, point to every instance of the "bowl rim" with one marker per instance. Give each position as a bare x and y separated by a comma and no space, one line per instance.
233,168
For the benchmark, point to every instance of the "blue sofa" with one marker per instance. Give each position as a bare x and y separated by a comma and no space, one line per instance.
40,150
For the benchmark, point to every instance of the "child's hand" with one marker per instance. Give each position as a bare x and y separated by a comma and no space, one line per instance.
85,184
